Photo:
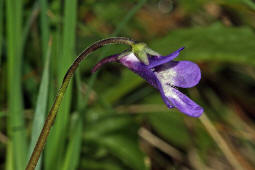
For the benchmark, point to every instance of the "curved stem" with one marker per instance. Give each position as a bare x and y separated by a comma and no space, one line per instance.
54,109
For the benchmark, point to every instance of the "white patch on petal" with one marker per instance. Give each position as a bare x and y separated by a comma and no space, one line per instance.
166,78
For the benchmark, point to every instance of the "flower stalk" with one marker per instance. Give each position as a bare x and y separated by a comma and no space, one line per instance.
55,107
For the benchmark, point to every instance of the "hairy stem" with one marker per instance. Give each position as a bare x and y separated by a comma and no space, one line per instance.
54,109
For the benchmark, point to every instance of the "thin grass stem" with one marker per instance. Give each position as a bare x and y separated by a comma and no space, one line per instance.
221,142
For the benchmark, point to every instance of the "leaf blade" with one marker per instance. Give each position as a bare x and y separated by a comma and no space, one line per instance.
41,106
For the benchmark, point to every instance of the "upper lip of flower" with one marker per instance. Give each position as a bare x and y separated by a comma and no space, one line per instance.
165,74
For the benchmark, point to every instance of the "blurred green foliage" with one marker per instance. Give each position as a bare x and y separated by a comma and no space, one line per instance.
103,115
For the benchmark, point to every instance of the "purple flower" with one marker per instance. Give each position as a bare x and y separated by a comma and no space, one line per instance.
165,75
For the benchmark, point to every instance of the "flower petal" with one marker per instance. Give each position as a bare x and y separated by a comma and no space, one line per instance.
156,61
183,74
179,100
134,64
183,103
164,97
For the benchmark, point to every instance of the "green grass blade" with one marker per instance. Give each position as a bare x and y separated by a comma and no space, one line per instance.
17,148
55,147
73,150
41,106
1,28
44,25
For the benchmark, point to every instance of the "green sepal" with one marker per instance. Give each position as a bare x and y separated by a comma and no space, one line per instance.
151,52
139,50
143,57
137,47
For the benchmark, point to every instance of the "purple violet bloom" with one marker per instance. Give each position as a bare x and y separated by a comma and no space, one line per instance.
165,75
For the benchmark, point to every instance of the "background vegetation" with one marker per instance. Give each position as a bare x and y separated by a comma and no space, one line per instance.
113,119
